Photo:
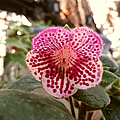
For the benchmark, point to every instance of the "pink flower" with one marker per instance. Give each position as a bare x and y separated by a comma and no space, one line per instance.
66,61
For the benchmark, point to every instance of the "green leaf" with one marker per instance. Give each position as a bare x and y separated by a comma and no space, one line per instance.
18,105
10,32
118,71
26,83
115,99
25,29
112,111
109,62
16,43
95,96
109,77
115,87
67,27
27,41
7,60
19,57
117,82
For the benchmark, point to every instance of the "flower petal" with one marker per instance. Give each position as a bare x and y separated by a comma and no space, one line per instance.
37,63
87,43
51,39
85,74
55,86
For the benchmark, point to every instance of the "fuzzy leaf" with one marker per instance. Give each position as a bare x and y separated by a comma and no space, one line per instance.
109,77
26,83
109,62
95,96
18,105
16,43
112,111
118,71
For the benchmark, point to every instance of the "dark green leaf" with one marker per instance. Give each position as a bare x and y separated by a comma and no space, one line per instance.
109,77
26,83
16,43
112,111
27,41
109,62
18,105
95,96
116,100
19,57
118,71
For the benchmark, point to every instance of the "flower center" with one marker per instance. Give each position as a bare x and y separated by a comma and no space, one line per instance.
64,61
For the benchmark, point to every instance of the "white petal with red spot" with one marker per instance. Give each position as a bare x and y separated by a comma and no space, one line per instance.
87,43
37,62
86,74
55,86
74,54
51,39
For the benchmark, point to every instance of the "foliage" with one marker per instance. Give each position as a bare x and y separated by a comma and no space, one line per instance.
20,103
100,97
19,40
41,23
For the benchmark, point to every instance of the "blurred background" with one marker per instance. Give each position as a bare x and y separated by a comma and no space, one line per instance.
21,20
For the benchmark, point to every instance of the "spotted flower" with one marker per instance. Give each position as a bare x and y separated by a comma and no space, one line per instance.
65,61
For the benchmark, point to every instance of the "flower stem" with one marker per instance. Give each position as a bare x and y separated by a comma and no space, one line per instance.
90,114
82,111
72,107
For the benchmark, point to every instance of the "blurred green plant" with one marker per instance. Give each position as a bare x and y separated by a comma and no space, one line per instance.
21,104
18,43
41,23
104,97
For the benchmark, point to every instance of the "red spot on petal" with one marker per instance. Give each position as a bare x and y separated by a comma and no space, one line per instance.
27,60
47,76
35,73
93,76
48,85
71,87
87,84
56,83
69,92
48,81
84,75
94,71
54,90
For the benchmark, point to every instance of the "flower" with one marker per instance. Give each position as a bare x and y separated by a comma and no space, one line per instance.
65,61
